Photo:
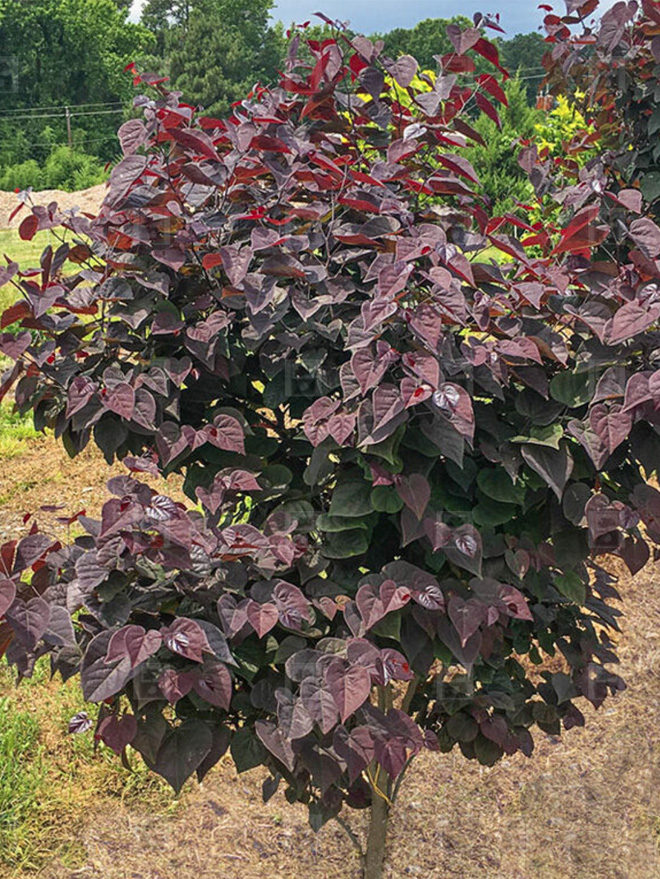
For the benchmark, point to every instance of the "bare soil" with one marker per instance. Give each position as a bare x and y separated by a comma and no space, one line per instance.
87,200
587,806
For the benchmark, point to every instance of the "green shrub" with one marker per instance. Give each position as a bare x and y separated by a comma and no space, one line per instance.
65,168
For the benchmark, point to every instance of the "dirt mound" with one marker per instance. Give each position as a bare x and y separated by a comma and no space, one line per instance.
88,200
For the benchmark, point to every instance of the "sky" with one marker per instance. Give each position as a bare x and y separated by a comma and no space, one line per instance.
371,16
380,16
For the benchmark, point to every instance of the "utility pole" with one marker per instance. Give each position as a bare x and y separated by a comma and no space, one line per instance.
68,126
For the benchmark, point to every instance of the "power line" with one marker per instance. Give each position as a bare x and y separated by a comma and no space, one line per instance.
62,115
62,107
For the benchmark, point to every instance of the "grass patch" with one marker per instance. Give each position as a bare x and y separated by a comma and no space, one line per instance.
15,431
22,779
50,781
26,253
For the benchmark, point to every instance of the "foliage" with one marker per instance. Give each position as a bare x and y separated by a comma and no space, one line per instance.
424,41
523,55
214,51
38,41
406,460
610,70
496,159
559,130
64,168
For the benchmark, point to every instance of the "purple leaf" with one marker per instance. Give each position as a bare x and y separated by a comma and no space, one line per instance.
101,679
275,741
319,703
121,401
7,595
213,684
174,685
30,550
262,617
631,320
349,686
646,236
171,442
465,549
612,425
466,616
415,492
396,666
403,70
393,597
117,732
356,748
29,620
369,605
162,508
81,390
132,135
134,643
80,723
14,346
226,433
186,638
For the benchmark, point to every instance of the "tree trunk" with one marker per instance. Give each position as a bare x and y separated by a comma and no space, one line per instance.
375,853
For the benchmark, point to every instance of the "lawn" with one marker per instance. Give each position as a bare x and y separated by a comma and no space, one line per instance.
25,253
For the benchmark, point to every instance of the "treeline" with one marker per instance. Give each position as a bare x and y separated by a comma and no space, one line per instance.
64,92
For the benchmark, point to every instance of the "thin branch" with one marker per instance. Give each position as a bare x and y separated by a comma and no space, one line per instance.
350,833
400,777
409,694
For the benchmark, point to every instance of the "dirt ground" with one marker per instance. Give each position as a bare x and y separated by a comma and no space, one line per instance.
87,200
587,806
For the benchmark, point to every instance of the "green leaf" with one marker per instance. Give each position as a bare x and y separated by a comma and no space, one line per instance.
650,185
385,499
465,475
346,544
462,727
445,437
548,435
553,465
181,752
573,389
352,499
320,465
335,524
388,449
261,444
246,750
496,484
109,434
489,513
302,511
487,752
571,586
277,475
388,627
533,406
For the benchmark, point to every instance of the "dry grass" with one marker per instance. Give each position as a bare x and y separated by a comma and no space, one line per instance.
586,807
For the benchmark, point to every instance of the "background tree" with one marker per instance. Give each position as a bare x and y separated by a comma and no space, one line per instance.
426,39
38,41
225,49
496,158
523,55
